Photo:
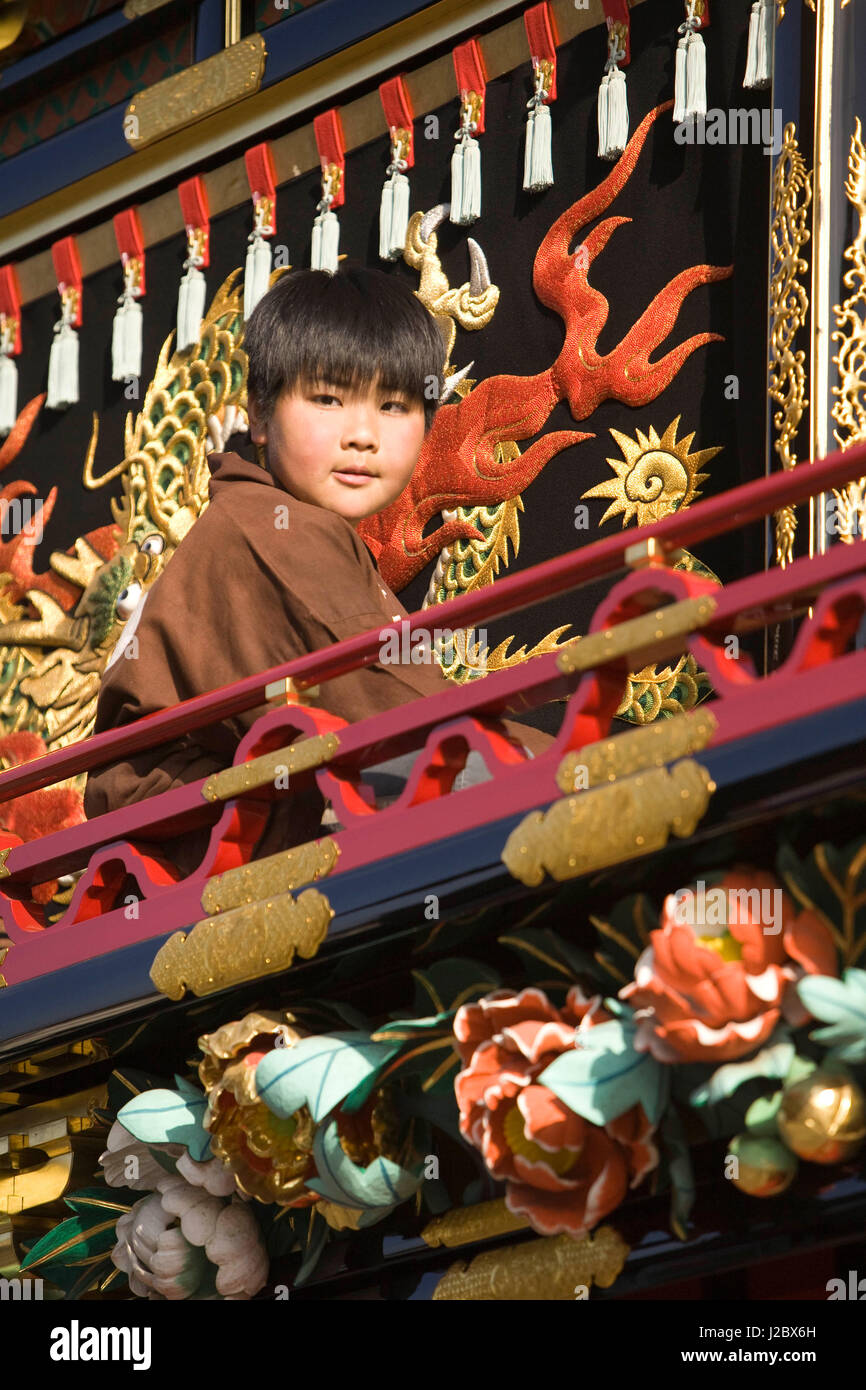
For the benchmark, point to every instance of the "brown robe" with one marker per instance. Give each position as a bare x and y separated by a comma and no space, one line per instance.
241,595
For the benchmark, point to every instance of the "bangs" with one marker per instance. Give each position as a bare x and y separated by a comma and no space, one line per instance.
355,330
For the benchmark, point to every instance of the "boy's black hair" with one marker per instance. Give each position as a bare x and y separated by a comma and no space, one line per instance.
347,328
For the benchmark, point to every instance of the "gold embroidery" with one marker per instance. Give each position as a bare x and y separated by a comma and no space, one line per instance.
655,476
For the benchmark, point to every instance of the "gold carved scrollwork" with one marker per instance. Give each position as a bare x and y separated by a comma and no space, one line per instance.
651,746
258,939
548,1269
789,306
850,410
265,878
637,636
258,772
609,825
465,1225
198,91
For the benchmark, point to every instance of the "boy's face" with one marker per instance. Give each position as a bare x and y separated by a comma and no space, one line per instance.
351,453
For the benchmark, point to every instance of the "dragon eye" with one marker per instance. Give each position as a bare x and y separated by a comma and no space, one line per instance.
127,601
153,545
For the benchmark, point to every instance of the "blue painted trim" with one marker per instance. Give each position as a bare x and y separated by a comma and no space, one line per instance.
305,38
29,67
210,29
66,157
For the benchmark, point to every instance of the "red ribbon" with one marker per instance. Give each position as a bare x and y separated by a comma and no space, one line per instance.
328,131
10,301
196,213
471,75
130,244
616,12
67,268
260,174
398,113
540,31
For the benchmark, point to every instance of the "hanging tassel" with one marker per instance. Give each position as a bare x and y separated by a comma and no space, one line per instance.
126,332
680,88
759,60
394,206
538,160
8,393
617,115
466,182
466,172
190,307
257,270
603,101
126,335
696,76
63,367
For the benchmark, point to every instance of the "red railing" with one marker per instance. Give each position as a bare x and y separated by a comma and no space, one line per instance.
460,718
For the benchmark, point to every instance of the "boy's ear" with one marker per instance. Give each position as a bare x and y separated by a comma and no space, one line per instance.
257,433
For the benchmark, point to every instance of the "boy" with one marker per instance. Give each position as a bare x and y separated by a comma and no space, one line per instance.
340,401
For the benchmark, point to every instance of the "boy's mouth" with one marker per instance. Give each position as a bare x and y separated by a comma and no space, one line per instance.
353,474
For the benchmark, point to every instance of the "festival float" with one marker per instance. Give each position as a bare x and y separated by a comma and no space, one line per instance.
593,1027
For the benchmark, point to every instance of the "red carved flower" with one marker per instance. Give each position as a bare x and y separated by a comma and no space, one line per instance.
714,991
562,1172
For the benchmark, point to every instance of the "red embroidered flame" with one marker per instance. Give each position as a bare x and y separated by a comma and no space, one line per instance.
458,466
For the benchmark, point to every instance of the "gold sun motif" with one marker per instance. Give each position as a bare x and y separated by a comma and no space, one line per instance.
655,476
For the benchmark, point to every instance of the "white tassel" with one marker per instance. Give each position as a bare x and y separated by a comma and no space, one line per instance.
680,87
759,62
696,76
126,336
538,141
190,308
616,131
393,216
326,242
603,100
752,51
257,271
466,182
63,368
8,394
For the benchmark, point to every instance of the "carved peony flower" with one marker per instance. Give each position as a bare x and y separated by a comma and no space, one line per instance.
562,1172
269,1156
713,984
190,1237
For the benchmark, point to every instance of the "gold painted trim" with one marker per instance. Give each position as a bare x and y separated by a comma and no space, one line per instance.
258,772
266,878
197,92
653,745
270,110
549,1269
823,273
638,638
252,941
609,825
464,1225
849,410
789,308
